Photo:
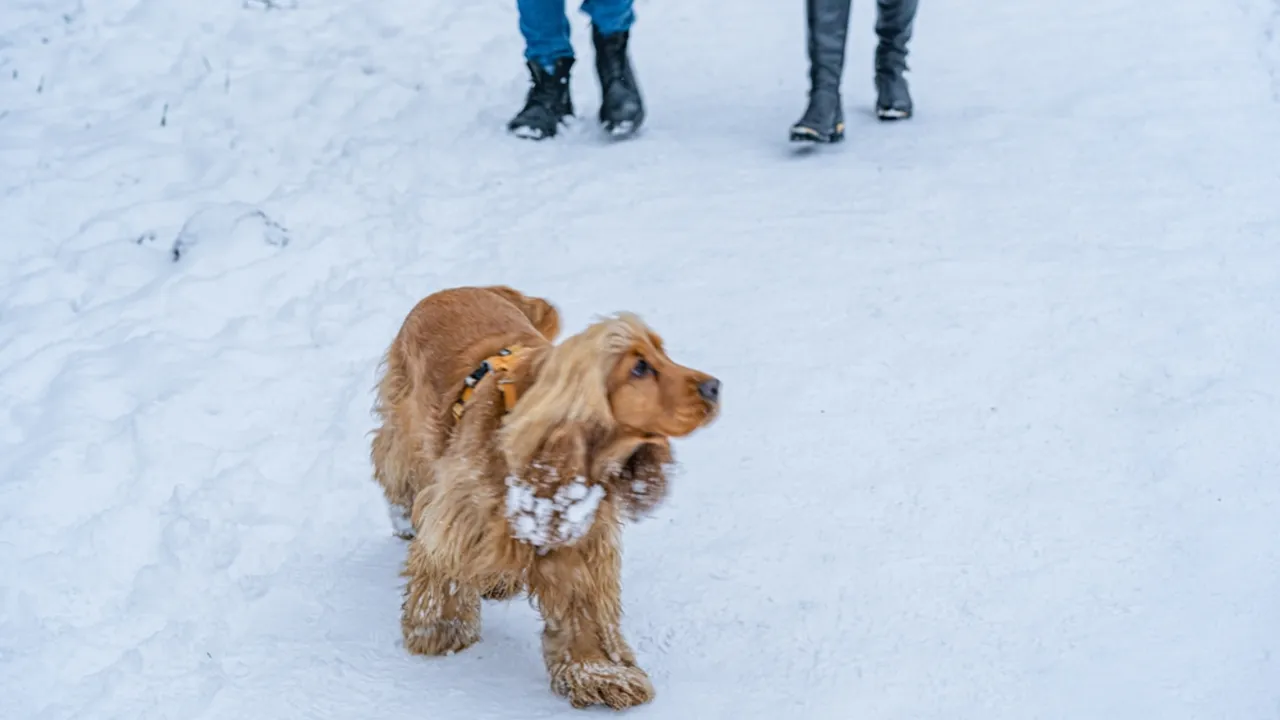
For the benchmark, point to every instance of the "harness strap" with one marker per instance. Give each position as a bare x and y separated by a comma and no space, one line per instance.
500,363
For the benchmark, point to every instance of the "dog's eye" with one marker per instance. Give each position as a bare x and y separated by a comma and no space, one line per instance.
642,368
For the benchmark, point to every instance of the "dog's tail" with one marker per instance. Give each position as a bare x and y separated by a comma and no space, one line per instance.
541,313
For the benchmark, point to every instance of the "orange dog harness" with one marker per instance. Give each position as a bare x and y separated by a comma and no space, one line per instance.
500,363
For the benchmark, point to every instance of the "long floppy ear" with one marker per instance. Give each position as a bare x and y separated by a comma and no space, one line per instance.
546,440
570,389
552,501
635,471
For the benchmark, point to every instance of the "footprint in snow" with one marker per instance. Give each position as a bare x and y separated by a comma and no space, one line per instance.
239,231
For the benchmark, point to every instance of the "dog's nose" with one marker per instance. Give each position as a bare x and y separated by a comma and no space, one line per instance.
709,390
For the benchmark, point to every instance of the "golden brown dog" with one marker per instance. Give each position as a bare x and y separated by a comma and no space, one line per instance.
511,463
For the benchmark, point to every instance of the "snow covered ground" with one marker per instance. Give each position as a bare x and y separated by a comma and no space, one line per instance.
1002,382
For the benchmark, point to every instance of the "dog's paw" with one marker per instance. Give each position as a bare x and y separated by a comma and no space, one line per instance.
597,683
552,522
443,637
401,522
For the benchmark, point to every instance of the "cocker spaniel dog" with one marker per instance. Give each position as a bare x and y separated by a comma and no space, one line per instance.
510,464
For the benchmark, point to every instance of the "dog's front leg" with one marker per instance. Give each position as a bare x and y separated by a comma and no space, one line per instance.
440,615
579,594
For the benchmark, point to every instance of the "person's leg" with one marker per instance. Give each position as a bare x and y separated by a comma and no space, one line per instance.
894,22
549,55
546,31
610,16
621,107
828,28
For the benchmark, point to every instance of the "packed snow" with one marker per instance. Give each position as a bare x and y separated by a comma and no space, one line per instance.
1001,382
547,522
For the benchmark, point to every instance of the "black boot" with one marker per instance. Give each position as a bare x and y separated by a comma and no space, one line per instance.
828,26
894,21
621,107
548,102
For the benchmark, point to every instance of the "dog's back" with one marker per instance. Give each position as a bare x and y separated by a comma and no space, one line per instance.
448,334
541,313
444,338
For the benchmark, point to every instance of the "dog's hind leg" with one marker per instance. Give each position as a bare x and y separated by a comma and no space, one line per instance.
440,615
398,462
391,469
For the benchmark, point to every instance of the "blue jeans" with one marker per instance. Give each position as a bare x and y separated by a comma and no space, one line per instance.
545,26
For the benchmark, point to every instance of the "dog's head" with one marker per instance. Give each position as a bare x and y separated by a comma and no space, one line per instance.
651,395
604,405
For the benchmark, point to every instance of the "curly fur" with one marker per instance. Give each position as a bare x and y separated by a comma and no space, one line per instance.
498,503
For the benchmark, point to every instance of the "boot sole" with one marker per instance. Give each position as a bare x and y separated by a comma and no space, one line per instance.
800,133
620,130
528,133
891,114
